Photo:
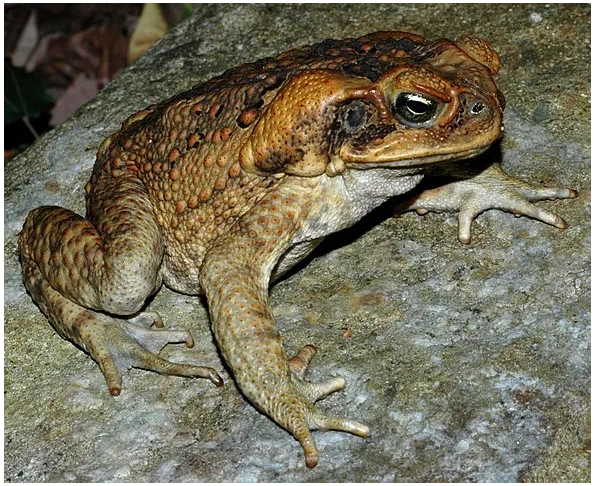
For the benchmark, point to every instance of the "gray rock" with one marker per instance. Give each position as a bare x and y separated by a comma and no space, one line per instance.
470,363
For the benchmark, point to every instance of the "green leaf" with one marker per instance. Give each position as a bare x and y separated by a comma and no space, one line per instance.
188,10
25,94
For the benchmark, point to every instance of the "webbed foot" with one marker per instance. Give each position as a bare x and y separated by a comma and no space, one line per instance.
118,345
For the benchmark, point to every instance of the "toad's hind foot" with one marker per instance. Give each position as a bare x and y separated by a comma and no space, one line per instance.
303,416
118,345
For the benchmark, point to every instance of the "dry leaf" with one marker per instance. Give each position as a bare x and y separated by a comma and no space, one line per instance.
27,42
82,90
150,28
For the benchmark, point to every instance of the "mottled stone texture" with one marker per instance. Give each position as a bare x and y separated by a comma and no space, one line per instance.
469,363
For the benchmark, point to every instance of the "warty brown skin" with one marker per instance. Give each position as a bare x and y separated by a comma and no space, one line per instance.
222,188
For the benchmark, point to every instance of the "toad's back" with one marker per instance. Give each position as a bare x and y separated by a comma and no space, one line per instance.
186,150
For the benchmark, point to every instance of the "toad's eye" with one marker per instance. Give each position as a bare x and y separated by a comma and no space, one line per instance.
414,109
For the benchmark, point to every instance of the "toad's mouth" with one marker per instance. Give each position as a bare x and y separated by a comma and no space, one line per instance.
417,148
358,164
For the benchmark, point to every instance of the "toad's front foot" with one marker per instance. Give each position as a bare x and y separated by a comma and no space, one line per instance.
294,409
491,188
118,345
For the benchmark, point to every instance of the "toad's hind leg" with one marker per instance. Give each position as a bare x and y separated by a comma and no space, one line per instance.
84,273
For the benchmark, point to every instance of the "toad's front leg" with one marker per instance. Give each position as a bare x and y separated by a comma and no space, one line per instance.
235,276
471,188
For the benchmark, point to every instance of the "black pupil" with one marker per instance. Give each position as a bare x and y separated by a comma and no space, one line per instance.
417,107
413,108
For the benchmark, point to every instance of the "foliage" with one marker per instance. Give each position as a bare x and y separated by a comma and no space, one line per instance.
25,94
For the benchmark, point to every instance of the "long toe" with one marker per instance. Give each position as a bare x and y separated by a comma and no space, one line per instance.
325,422
317,420
522,207
147,319
300,361
318,391
533,193
308,443
111,371
153,362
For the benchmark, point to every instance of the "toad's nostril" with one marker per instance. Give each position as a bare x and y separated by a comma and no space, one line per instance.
477,108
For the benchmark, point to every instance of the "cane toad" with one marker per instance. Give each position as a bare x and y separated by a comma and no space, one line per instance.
223,188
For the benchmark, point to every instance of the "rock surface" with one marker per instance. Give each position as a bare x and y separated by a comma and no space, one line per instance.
469,363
